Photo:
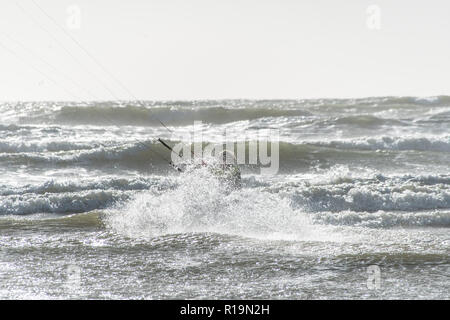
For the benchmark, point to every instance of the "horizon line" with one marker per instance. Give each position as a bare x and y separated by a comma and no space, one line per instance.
234,99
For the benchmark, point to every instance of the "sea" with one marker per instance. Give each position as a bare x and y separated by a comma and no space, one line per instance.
357,208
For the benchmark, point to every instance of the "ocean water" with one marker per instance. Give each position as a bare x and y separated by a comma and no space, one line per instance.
359,208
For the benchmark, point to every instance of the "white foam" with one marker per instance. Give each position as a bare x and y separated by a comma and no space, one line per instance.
60,203
383,219
200,204
439,143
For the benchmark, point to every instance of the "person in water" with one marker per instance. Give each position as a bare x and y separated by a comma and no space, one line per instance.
228,170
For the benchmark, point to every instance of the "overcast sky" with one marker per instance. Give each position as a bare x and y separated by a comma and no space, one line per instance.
203,49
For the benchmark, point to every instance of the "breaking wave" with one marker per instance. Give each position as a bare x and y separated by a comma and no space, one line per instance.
113,183
51,146
61,203
339,189
371,198
200,204
176,113
143,116
196,201
383,219
435,144
144,155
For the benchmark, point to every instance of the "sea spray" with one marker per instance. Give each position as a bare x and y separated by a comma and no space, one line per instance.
202,203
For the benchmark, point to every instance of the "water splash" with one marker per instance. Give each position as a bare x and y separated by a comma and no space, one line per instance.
202,203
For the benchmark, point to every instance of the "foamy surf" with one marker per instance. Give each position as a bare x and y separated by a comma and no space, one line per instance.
201,204
361,182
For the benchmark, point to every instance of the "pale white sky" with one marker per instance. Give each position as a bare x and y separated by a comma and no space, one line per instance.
207,49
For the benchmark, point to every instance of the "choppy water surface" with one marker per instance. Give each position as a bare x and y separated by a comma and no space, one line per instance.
90,209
